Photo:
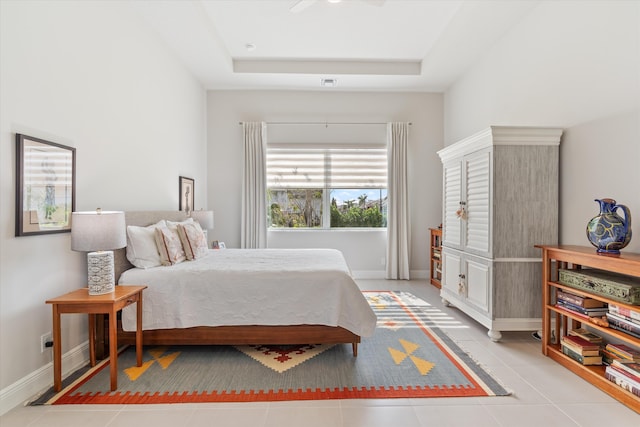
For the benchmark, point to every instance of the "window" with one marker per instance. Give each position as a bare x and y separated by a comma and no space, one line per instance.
312,186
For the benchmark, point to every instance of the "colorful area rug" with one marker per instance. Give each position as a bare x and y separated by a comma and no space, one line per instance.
409,356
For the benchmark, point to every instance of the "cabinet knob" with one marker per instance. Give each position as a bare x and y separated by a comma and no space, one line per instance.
462,212
461,288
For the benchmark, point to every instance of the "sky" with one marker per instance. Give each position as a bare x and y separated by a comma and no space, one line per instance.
342,195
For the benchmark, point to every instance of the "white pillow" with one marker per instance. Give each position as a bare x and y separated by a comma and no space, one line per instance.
169,245
142,250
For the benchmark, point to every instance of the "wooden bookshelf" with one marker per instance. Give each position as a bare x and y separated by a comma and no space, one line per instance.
435,257
556,322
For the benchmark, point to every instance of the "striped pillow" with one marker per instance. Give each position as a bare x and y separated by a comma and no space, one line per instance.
193,240
169,246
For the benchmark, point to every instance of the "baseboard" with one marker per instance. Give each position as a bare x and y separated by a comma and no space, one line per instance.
26,388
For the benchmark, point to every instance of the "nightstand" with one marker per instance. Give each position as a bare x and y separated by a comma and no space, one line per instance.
79,301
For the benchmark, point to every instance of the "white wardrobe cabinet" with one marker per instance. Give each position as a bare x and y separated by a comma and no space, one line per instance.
500,198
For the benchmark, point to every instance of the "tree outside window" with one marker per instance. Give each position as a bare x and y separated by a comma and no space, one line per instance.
318,187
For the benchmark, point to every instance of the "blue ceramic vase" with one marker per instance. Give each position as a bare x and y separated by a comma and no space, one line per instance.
607,231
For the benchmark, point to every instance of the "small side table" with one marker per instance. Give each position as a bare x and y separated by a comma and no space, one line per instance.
79,301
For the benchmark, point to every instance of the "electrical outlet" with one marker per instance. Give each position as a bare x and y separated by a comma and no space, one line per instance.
44,339
383,261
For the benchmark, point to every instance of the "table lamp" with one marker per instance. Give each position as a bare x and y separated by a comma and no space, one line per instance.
205,218
98,233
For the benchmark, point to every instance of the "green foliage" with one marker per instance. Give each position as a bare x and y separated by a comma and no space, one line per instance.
336,216
303,209
357,217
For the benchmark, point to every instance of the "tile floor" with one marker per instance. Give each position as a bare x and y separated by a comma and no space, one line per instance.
544,394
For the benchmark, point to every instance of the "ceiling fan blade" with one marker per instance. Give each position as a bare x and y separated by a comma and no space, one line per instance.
301,5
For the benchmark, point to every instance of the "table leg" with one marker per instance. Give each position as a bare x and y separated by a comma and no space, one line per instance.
139,330
92,339
57,350
113,349
101,339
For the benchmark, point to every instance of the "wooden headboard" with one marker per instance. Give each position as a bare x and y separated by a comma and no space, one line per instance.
142,219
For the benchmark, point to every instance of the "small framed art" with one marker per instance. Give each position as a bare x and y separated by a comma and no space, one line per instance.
45,186
187,189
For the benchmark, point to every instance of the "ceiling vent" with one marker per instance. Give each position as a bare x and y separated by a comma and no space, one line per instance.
328,82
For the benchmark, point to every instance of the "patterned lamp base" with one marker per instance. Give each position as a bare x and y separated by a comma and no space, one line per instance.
101,272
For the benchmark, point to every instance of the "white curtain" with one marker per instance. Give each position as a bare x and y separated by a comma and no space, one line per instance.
254,184
398,226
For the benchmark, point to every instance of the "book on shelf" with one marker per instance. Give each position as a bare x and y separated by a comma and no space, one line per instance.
580,350
624,330
591,312
585,317
586,334
578,300
585,360
624,351
578,314
581,346
626,313
630,368
620,323
608,357
622,380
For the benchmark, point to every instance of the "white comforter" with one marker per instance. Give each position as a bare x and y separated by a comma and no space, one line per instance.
252,287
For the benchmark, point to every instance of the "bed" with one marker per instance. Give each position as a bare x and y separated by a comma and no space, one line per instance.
245,296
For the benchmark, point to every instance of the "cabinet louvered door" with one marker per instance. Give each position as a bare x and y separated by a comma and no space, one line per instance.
452,195
478,202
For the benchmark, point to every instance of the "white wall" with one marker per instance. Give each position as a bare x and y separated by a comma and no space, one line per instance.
363,249
87,75
574,65
600,159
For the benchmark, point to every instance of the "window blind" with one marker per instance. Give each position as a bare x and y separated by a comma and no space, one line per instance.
302,167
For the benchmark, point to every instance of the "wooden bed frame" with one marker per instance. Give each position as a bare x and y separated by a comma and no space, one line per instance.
222,335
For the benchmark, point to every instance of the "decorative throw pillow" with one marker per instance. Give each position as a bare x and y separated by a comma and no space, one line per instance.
169,246
193,240
142,250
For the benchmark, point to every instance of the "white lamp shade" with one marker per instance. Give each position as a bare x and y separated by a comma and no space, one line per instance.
98,231
205,218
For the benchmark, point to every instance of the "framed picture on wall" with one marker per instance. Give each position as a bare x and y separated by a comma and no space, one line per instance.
187,187
45,186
